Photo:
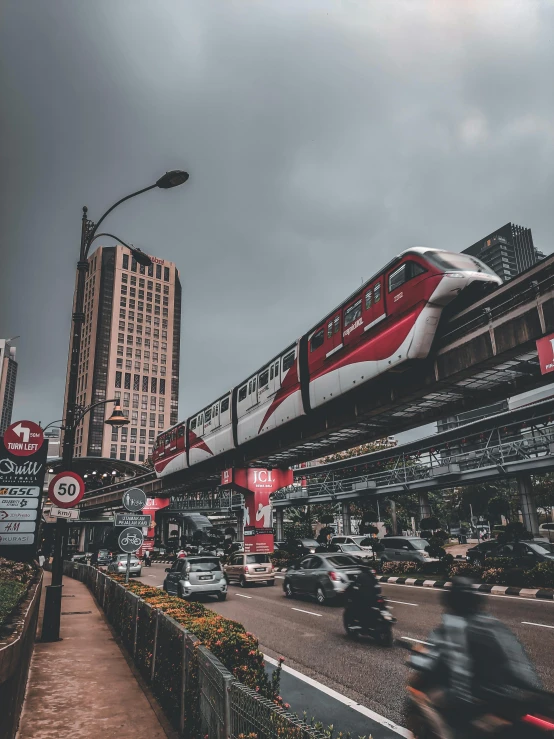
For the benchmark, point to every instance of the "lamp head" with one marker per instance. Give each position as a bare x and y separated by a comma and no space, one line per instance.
117,419
172,179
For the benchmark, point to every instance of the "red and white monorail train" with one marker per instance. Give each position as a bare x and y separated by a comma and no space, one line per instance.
391,319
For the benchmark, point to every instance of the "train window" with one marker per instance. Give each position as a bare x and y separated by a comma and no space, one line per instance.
201,419
288,360
193,424
317,340
264,378
329,329
224,405
368,299
271,372
181,432
377,293
242,393
353,313
208,416
254,384
404,273
336,324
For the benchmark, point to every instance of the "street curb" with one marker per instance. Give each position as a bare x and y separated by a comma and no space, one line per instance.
480,587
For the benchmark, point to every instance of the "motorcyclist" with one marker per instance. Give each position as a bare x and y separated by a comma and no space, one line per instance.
365,595
478,665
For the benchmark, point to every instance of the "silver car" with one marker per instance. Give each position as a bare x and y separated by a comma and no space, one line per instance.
119,565
364,542
324,576
196,576
405,549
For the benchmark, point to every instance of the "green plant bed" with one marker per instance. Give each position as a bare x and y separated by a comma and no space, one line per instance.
11,593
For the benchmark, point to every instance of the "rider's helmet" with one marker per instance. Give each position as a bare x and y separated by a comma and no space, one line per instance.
462,598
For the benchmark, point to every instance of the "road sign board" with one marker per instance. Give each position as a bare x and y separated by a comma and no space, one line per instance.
130,540
26,503
18,491
69,513
133,519
18,515
66,489
134,499
17,539
17,527
23,438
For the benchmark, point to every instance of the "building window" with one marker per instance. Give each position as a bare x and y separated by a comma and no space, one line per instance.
123,302
131,328
128,364
132,453
152,403
166,274
133,265
113,451
137,367
146,367
119,363
129,351
123,453
134,417
125,262
158,271
122,313
162,387
115,433
136,382
154,384
144,402
142,436
151,436
161,403
141,449
120,351
124,434
161,420
166,289
124,278
118,379
126,399
127,381
121,337
135,400
145,384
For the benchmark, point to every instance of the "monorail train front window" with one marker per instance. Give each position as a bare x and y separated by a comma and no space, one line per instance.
448,261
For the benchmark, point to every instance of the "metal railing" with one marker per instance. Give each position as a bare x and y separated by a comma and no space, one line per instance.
508,444
16,651
206,501
199,696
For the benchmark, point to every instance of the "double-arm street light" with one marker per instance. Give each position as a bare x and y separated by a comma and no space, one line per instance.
89,232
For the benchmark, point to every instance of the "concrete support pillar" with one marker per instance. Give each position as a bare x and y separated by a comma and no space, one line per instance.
527,503
278,515
345,511
240,525
424,506
393,517
83,539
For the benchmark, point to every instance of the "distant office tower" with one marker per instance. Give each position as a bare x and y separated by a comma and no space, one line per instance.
508,250
129,350
8,374
52,435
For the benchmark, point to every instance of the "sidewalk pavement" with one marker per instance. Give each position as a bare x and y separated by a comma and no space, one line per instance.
82,686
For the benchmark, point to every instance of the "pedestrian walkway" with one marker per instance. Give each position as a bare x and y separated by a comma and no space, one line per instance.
82,686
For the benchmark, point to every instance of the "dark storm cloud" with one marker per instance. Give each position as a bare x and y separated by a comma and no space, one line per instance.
321,137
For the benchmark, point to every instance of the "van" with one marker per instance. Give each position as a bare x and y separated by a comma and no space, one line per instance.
246,568
405,549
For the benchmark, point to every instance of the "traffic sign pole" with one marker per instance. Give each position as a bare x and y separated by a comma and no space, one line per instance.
128,570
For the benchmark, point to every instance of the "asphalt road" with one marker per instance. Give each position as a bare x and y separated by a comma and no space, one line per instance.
312,640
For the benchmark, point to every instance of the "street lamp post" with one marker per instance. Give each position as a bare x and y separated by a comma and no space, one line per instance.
89,229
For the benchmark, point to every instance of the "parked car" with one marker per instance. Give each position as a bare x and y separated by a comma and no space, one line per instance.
81,557
249,568
194,576
298,547
104,557
364,542
546,530
119,565
352,549
527,553
478,553
405,549
322,576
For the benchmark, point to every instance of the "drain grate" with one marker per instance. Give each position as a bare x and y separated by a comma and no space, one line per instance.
74,613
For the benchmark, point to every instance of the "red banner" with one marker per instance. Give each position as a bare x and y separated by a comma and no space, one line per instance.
545,348
152,505
257,484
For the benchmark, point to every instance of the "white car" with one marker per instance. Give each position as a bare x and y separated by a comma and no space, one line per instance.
119,565
363,542
546,531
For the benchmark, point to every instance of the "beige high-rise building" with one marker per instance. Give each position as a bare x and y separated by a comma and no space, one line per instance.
129,350
8,375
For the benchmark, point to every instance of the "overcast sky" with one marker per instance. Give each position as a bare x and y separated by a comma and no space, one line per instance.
321,137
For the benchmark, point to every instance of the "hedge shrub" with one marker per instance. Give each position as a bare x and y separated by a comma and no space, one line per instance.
400,568
14,582
540,576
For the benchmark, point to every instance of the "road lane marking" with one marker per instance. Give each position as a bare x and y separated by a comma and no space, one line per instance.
530,623
240,595
417,641
402,603
319,615
489,595
400,730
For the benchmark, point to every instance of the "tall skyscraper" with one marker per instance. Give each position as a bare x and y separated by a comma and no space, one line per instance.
8,375
508,250
129,350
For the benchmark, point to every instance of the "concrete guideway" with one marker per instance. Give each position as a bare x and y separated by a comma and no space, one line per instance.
82,686
313,642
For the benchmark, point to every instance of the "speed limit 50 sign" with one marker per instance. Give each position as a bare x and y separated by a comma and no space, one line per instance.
66,489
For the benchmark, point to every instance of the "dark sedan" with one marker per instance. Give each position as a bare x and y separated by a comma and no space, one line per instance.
527,553
478,553
323,576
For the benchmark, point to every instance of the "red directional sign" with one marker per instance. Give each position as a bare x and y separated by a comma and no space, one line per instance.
23,438
66,489
545,349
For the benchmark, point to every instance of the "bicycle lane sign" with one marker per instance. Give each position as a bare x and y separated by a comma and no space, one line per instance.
130,540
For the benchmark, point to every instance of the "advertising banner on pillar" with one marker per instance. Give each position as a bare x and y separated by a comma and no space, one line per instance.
257,484
21,482
545,349
152,505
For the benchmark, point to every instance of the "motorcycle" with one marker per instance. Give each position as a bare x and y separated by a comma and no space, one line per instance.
534,719
377,623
